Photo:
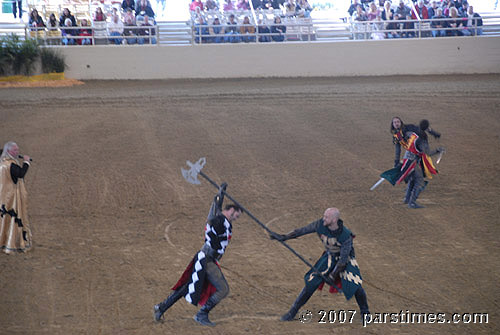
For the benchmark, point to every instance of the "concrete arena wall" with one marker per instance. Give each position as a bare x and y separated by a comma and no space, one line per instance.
349,58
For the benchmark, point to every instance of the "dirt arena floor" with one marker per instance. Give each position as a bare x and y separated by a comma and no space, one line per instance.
115,223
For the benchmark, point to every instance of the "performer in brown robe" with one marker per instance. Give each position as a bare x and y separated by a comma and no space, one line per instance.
15,232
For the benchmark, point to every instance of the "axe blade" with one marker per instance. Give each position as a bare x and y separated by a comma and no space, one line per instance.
191,175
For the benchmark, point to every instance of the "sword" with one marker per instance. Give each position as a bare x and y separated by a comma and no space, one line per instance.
377,183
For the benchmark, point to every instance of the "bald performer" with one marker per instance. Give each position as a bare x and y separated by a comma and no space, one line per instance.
337,262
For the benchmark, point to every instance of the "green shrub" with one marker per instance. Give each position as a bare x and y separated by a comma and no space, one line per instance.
52,61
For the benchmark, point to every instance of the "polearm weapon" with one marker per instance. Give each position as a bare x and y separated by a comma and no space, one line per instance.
191,176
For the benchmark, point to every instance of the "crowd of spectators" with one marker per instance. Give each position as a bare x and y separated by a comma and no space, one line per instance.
383,19
131,23
232,21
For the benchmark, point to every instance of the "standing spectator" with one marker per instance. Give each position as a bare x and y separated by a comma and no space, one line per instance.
278,30
115,29
232,30
264,32
146,31
85,33
67,15
228,6
68,33
53,32
247,30
211,5
195,4
15,232
216,31
128,4
144,8
99,15
17,5
439,24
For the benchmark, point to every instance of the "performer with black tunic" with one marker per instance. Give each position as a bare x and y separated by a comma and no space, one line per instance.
203,283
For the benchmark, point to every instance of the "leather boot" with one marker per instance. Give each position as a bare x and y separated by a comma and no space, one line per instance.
360,296
162,307
304,295
202,316
413,198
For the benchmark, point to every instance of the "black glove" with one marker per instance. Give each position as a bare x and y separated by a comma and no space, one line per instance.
396,162
339,267
440,149
434,133
278,237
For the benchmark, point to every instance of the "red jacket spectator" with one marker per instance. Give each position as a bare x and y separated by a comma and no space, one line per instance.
421,10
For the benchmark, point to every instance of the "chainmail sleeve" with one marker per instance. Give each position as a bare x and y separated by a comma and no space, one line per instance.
310,228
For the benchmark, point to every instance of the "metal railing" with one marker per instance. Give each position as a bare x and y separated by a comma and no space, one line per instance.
298,31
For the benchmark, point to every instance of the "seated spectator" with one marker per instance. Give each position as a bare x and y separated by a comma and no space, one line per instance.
372,12
257,4
144,8
201,31
290,7
128,4
146,33
439,24
432,10
242,5
129,15
115,29
67,15
216,31
408,27
232,30
67,34
474,22
247,30
211,5
229,6
457,23
195,4
99,15
353,7
85,33
303,8
278,30
130,29
37,25
388,15
359,26
421,10
402,10
53,33
377,27
264,32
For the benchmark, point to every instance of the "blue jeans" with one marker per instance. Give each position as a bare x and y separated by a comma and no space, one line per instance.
116,40
440,33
